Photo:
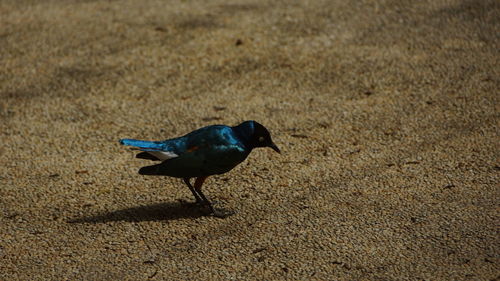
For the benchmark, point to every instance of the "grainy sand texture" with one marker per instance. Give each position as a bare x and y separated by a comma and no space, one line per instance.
386,112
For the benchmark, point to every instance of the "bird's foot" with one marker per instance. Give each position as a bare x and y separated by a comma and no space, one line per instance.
222,213
210,210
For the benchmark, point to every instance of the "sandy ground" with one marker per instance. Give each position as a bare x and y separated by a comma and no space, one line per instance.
387,114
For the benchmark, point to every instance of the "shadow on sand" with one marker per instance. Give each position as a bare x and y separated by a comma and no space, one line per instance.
154,212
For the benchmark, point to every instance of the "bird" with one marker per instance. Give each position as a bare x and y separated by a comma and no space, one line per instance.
204,152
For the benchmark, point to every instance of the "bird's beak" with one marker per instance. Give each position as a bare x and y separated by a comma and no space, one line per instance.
275,148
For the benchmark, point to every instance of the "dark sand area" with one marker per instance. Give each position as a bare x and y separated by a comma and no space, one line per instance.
387,114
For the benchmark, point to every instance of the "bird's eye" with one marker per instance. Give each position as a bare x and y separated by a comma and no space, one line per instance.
261,139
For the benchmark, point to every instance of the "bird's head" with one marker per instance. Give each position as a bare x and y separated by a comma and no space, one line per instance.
258,135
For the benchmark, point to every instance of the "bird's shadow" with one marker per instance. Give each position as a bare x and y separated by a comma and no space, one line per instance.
153,212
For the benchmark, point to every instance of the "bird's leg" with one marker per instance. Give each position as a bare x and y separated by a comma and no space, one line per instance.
199,200
197,186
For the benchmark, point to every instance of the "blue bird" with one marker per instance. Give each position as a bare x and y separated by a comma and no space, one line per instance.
207,151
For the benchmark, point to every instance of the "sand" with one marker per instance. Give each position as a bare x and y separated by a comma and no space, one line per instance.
386,113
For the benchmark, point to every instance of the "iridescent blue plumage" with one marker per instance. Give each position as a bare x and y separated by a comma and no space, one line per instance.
211,150
204,152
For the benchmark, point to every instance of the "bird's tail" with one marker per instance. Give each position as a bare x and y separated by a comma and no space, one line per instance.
143,145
